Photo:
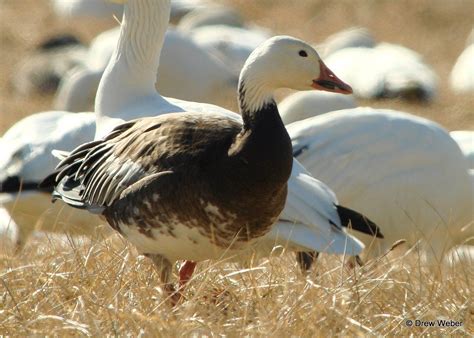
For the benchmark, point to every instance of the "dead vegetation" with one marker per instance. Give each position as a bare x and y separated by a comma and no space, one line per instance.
90,289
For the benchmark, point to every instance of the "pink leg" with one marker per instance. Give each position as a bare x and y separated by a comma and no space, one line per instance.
185,273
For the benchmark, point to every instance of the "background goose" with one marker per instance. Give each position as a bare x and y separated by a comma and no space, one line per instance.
82,8
186,71
302,105
210,16
235,173
465,141
347,38
404,172
41,72
108,9
7,225
462,75
232,45
385,71
26,159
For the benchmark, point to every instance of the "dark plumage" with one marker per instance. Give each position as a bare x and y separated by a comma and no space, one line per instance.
349,219
190,160
14,184
59,41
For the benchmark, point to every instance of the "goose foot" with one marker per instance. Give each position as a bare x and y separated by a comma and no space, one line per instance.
185,273
306,259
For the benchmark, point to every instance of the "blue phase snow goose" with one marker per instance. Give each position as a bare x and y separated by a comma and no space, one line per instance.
193,186
311,219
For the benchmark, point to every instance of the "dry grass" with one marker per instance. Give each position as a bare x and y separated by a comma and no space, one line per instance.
105,288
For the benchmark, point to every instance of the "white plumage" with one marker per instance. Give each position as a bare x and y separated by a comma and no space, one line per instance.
465,141
186,71
462,75
347,38
26,154
304,227
232,45
386,70
104,9
211,15
84,8
302,105
404,172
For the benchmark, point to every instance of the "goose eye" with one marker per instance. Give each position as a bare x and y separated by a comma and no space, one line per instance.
303,53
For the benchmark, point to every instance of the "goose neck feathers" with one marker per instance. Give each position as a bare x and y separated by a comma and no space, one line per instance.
263,141
130,72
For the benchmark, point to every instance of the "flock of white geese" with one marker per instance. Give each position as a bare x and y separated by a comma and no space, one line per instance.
404,173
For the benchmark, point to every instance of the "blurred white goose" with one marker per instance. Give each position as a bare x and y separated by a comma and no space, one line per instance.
7,225
26,159
462,75
209,16
104,9
302,105
87,8
41,71
186,71
404,172
465,141
232,45
127,92
385,71
347,38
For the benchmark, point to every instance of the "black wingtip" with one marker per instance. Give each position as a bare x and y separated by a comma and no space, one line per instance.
48,183
358,222
306,259
14,184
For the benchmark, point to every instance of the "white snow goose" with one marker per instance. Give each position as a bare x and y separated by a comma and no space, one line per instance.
348,38
193,186
303,105
384,71
187,71
462,75
25,159
465,141
41,71
404,172
106,10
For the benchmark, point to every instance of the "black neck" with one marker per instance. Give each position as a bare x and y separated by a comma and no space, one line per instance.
264,110
266,144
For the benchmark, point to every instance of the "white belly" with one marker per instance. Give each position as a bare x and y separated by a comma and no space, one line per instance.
185,244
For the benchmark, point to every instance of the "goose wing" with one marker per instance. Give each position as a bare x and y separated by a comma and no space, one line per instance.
97,173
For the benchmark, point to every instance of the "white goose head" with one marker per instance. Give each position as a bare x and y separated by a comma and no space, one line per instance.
284,62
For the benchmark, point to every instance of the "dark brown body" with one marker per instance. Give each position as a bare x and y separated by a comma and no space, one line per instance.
199,171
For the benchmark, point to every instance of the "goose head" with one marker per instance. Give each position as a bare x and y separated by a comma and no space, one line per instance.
285,62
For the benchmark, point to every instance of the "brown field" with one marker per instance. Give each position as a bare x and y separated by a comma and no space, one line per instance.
104,287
